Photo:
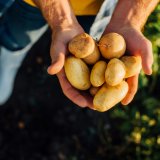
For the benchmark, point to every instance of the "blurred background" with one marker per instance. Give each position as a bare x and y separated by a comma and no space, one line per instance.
40,123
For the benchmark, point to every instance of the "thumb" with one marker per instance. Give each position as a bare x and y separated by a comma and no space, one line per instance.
57,53
147,58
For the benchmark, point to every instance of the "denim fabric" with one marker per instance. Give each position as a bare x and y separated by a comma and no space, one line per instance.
17,25
86,22
103,18
4,5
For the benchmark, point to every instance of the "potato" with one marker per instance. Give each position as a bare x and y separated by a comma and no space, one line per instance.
97,76
77,73
109,96
133,65
94,57
93,90
82,46
112,45
115,72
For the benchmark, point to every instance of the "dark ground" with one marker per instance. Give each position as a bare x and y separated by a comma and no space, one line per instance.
40,123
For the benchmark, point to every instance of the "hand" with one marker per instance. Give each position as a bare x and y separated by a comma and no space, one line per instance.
137,45
58,52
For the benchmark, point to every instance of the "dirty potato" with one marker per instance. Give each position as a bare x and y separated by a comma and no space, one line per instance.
112,45
109,96
97,76
77,73
115,72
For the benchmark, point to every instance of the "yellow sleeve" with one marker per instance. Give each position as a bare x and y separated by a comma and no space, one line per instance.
81,7
30,2
86,7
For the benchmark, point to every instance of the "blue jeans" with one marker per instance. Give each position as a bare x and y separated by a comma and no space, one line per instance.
21,26
17,25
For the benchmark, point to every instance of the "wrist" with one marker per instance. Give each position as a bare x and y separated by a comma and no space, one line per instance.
132,14
57,13
120,26
62,22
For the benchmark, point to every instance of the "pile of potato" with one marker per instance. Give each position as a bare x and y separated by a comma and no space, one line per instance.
101,68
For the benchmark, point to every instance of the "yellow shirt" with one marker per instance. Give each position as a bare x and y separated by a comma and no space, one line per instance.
30,2
81,7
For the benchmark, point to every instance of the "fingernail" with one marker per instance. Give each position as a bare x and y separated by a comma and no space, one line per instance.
150,72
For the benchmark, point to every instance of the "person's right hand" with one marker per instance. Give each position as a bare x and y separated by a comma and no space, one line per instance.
58,52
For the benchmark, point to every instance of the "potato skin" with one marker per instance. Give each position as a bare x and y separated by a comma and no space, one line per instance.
133,65
94,57
93,90
97,76
112,45
82,45
115,72
109,96
77,73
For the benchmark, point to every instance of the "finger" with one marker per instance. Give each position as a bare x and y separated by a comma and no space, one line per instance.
133,86
147,58
81,99
57,53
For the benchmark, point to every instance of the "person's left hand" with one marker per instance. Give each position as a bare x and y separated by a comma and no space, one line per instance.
137,45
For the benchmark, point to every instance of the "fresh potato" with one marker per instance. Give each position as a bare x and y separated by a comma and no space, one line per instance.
109,96
115,72
133,65
94,57
112,45
97,76
82,46
77,73
93,90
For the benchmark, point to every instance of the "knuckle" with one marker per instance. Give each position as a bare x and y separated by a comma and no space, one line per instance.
148,43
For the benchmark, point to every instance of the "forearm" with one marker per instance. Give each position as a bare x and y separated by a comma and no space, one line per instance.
132,13
58,13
